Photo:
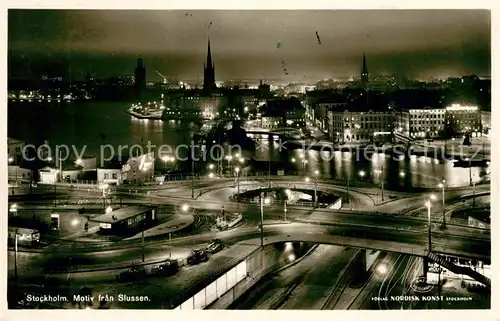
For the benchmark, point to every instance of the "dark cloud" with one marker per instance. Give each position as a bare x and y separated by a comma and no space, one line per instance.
403,42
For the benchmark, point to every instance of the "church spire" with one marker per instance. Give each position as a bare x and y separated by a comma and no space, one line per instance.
364,72
209,71
209,56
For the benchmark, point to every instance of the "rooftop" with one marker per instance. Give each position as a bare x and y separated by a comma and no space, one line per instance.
14,141
123,214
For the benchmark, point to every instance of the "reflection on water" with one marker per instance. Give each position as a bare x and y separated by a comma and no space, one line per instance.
90,125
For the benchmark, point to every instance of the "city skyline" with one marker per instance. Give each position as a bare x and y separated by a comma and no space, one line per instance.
409,43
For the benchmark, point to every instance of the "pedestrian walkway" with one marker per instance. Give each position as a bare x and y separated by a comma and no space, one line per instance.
175,223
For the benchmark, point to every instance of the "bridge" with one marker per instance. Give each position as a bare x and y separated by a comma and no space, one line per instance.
257,262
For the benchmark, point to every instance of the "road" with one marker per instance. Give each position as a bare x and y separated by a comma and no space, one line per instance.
416,236
363,227
389,287
305,285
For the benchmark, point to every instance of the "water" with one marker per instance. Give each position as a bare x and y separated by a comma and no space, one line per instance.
94,124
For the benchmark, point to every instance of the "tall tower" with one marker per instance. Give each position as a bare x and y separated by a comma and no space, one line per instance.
364,74
209,72
140,75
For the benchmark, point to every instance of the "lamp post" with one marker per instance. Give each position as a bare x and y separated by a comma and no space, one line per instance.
237,170
192,177
470,170
442,185
347,193
285,209
473,194
13,159
381,175
229,159
15,254
316,173
428,204
142,243
362,174
262,201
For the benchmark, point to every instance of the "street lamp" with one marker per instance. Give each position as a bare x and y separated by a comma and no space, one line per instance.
470,170
13,208
15,253
13,160
473,194
104,187
316,173
380,172
402,174
211,166
237,170
442,185
262,201
229,159
428,204
211,175
292,159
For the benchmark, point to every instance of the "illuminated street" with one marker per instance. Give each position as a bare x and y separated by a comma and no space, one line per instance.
272,179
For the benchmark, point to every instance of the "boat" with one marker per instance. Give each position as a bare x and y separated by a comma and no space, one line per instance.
146,114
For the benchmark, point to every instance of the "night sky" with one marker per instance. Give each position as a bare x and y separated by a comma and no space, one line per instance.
420,44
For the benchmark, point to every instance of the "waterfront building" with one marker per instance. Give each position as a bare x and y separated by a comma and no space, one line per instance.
463,119
427,122
357,125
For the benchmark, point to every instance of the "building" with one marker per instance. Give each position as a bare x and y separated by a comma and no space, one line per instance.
295,117
19,174
71,171
401,127
357,125
271,122
195,105
15,151
209,72
87,162
140,76
427,122
138,168
486,122
110,174
49,174
461,120
127,220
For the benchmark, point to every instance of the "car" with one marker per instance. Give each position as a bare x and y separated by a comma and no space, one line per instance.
197,256
133,274
167,268
216,246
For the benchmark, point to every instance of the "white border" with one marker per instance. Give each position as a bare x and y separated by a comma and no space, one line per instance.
255,315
